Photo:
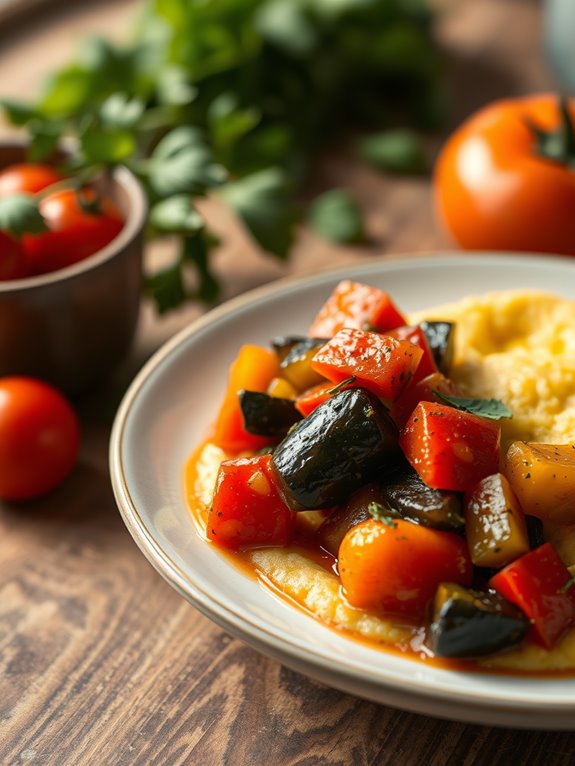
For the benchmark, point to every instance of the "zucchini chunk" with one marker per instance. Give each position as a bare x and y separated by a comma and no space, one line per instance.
266,415
468,623
335,450
296,367
440,336
407,493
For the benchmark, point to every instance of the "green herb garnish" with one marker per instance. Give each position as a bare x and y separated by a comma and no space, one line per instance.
493,409
238,98
383,514
566,585
346,382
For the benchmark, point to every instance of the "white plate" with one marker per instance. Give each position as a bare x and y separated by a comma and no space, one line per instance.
166,413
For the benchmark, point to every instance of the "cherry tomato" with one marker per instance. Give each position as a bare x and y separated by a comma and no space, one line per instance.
39,438
13,263
27,178
493,188
74,232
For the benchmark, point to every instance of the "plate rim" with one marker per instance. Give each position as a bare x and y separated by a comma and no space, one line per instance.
235,622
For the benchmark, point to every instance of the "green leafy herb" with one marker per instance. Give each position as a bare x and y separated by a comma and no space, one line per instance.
493,409
238,97
19,213
346,382
383,514
336,216
395,151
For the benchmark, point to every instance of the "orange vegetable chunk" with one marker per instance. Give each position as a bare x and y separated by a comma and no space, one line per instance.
396,567
379,363
253,369
353,304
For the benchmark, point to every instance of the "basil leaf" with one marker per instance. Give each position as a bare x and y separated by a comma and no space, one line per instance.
107,147
182,162
395,151
262,201
18,112
120,111
176,215
166,287
380,513
19,214
335,215
493,409
195,250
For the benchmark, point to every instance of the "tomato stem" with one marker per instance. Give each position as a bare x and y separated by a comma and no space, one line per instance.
556,145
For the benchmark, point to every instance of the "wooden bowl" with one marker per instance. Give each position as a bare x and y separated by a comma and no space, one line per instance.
71,327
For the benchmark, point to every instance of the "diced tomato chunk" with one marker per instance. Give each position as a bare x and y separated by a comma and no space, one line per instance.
307,402
379,363
396,567
448,448
422,391
353,304
538,584
414,334
247,510
253,370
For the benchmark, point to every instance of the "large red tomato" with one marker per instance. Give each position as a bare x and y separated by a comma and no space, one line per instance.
39,438
505,181
78,227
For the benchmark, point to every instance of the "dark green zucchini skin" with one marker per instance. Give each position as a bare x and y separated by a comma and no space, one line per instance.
470,623
335,450
266,415
408,494
440,336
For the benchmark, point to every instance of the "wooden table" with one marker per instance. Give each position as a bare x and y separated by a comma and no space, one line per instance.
100,661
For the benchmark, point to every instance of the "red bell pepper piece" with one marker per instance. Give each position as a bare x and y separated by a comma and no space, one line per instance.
538,584
247,510
379,363
422,391
353,304
448,448
313,397
253,369
414,334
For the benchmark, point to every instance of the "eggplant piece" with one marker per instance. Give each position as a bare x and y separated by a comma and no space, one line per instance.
407,493
440,336
266,415
469,623
283,344
335,450
334,528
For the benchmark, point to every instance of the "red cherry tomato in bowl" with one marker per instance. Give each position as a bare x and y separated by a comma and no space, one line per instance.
13,264
500,183
75,230
27,178
39,438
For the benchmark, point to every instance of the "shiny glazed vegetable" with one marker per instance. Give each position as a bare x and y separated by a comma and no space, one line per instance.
395,481
335,450
505,171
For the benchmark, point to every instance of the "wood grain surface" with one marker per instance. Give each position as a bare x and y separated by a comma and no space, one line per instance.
101,663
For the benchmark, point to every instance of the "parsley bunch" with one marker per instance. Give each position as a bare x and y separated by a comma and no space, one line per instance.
235,97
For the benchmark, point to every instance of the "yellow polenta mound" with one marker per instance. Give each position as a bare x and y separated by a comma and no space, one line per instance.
518,346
